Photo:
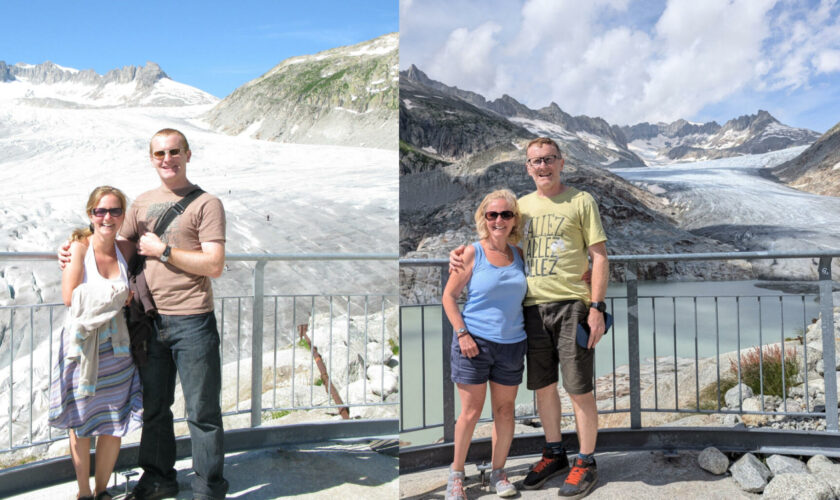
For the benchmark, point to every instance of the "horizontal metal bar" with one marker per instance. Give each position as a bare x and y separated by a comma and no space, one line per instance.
236,256
675,257
738,440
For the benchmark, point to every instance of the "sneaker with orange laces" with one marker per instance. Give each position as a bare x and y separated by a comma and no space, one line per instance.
580,480
550,465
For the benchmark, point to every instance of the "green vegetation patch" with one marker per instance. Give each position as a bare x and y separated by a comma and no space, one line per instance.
762,369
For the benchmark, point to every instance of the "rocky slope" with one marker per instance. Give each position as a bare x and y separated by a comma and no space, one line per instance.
592,140
682,140
343,96
51,85
817,169
453,152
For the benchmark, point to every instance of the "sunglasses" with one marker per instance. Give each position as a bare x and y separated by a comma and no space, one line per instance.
162,154
506,215
101,212
548,160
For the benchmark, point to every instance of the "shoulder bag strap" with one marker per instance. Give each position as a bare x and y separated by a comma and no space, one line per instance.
160,226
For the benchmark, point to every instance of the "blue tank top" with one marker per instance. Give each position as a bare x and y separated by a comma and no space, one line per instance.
494,299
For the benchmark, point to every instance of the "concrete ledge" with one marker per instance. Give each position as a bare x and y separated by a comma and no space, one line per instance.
21,478
739,439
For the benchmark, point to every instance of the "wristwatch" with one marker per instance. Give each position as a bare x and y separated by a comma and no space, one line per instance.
165,255
599,306
461,332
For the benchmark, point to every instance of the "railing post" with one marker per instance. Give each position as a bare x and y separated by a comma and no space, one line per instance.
631,281
257,343
829,361
448,390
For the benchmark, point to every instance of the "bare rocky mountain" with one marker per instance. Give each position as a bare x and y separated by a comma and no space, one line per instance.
682,140
51,85
344,96
817,169
589,139
453,152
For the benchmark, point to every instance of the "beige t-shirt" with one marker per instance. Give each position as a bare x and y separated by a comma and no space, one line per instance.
177,292
558,232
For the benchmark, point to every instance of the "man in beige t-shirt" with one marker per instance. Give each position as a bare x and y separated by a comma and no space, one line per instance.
178,269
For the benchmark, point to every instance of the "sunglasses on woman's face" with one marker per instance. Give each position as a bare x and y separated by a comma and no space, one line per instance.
100,212
506,215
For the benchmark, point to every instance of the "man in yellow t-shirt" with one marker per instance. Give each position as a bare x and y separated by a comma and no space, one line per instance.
562,228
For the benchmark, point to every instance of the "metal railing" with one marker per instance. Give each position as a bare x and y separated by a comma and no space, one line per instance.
349,331
639,327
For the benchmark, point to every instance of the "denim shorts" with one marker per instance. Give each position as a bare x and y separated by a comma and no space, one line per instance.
552,330
500,363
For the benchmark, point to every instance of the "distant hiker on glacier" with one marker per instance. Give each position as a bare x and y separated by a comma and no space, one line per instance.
95,390
562,228
178,266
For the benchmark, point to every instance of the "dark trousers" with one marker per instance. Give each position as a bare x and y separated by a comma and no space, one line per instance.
190,346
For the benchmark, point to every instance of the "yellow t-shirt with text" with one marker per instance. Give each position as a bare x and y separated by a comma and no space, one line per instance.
558,232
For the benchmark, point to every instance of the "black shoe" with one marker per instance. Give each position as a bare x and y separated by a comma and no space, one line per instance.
550,465
153,490
581,479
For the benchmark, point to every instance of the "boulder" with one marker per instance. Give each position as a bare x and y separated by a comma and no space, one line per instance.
781,464
798,486
737,394
750,474
713,460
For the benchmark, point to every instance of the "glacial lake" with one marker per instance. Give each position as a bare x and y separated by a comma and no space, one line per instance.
668,325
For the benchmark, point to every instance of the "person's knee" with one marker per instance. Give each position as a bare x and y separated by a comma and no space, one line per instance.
471,414
504,411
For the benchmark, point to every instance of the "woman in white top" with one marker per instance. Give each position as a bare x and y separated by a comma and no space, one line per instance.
115,407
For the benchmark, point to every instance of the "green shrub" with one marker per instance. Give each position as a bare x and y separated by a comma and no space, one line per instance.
752,368
395,347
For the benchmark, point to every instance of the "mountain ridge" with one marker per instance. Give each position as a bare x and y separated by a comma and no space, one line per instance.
343,96
50,85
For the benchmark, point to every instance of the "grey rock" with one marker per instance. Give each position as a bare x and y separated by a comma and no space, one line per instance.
821,463
735,395
797,486
713,460
750,474
781,464
731,420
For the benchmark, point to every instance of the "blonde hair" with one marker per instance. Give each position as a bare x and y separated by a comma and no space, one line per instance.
93,200
167,132
481,223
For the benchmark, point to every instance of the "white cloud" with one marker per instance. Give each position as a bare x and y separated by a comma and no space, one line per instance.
618,59
465,58
827,61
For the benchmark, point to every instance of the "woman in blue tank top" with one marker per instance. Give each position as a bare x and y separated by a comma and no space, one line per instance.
489,342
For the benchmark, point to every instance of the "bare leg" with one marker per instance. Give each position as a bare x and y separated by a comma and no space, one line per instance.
472,401
550,410
586,420
503,399
107,449
80,455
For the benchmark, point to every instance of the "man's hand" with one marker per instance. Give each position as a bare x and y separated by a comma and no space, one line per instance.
596,327
456,262
150,245
64,255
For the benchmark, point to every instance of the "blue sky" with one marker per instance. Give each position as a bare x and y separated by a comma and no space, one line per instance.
213,45
629,61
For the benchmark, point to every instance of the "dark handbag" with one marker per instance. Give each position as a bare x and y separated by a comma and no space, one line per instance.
141,311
